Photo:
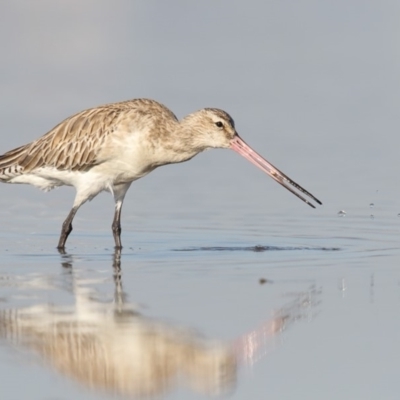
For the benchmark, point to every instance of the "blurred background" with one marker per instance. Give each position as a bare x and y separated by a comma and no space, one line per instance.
313,86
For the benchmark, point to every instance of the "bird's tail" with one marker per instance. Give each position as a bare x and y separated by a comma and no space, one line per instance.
10,164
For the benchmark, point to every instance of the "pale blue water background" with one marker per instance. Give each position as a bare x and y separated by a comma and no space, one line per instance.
314,87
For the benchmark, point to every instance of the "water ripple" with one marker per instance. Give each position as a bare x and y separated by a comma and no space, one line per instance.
258,248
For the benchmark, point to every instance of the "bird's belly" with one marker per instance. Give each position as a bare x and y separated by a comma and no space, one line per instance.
45,178
124,177
123,172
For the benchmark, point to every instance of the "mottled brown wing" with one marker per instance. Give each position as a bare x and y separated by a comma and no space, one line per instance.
73,144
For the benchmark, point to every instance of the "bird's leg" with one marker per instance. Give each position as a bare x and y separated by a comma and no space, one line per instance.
119,192
119,295
66,228
116,225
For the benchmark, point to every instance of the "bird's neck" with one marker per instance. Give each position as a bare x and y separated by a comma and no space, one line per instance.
186,143
177,144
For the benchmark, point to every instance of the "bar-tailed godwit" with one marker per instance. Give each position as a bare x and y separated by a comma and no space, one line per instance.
109,147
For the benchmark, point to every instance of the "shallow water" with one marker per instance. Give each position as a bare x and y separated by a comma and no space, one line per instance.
206,311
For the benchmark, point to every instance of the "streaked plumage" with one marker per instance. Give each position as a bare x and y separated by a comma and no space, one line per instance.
109,147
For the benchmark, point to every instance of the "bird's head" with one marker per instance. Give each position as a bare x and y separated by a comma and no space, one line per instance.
210,128
215,128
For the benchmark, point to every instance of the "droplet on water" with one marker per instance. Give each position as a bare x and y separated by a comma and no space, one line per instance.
371,205
398,214
341,213
372,216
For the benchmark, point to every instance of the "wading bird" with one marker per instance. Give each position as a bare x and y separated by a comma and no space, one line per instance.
109,147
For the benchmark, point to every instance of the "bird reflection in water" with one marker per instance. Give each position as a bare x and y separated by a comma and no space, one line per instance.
110,346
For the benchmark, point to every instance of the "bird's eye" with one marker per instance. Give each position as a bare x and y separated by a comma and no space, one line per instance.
219,124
